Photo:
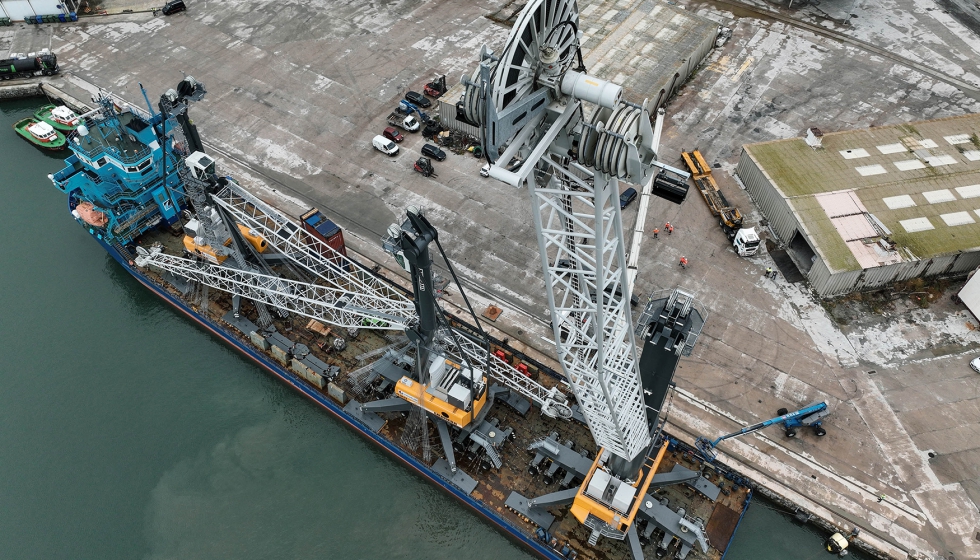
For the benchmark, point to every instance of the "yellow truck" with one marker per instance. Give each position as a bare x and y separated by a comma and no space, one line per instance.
745,240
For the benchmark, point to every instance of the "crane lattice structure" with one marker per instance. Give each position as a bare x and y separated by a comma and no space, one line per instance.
531,99
343,293
570,138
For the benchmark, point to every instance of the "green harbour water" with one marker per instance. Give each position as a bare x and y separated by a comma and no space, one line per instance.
129,432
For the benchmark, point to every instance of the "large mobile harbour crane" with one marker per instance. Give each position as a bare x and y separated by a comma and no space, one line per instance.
133,173
530,101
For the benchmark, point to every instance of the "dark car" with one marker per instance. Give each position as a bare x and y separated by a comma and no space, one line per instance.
629,195
391,133
173,7
433,152
418,99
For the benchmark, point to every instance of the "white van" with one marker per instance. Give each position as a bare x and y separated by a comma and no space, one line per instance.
384,145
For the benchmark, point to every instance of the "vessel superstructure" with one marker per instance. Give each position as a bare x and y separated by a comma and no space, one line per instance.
488,425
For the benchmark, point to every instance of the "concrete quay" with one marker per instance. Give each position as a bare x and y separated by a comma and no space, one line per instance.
297,91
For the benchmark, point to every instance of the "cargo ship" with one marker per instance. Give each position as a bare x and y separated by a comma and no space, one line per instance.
512,439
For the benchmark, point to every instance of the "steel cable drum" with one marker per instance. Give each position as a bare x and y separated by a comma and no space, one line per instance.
516,72
628,127
591,137
602,148
607,143
472,102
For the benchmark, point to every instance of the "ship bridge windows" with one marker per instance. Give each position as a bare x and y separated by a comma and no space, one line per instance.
139,167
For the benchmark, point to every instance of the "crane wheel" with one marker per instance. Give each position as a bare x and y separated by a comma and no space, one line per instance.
820,431
781,411
532,470
790,432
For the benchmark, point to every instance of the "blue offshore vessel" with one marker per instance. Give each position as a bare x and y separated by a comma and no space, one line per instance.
383,359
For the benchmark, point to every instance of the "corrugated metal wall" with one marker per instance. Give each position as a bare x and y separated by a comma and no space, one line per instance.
770,201
830,285
447,111
687,67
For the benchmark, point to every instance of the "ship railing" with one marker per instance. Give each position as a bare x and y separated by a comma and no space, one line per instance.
97,143
141,114
94,177
146,214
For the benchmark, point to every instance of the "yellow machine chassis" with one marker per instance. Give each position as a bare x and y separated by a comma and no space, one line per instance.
584,505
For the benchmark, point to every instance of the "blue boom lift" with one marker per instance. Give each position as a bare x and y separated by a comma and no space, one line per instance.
812,415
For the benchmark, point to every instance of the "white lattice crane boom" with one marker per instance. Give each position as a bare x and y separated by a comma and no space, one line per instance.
531,99
343,294
531,103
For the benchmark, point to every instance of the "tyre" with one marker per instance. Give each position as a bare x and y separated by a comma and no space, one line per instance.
781,411
790,432
532,470
819,431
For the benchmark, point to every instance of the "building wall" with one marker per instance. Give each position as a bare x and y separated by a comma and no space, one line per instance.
831,285
447,111
770,201
20,9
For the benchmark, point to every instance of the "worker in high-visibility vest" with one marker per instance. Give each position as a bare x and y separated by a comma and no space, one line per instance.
683,262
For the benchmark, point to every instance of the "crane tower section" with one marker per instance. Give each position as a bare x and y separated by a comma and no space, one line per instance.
531,103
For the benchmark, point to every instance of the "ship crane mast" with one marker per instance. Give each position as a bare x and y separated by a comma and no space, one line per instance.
530,103
339,291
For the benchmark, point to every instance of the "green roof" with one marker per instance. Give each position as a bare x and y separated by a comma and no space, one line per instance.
910,159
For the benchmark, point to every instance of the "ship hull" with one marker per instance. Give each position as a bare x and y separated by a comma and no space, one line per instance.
57,145
324,402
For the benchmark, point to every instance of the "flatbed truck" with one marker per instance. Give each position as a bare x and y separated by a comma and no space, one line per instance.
745,240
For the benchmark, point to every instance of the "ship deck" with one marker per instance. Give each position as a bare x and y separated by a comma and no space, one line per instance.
493,485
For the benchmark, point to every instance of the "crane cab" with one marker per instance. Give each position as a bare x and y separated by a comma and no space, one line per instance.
455,393
201,166
610,499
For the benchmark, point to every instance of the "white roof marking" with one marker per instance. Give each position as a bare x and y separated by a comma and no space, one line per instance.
917,224
896,202
854,153
942,195
870,170
957,218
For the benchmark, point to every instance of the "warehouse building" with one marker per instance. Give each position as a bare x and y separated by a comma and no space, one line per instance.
866,208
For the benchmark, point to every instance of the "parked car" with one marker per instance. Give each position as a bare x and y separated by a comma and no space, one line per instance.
433,152
629,195
391,133
418,99
174,6
384,145
975,364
